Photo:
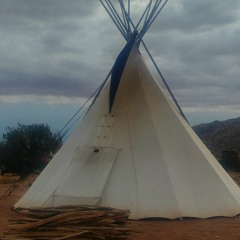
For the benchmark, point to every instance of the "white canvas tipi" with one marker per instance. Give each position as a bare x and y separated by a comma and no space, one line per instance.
134,150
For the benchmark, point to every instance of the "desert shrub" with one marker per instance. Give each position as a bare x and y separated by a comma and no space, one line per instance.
27,148
230,160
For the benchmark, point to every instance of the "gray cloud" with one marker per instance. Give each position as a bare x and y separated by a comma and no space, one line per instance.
45,10
196,45
65,48
197,16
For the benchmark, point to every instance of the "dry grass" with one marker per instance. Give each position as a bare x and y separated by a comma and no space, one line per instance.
236,177
8,179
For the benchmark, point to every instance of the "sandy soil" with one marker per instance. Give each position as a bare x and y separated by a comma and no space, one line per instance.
199,229
221,228
7,184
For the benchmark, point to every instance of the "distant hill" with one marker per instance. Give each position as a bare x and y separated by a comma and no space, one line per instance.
220,136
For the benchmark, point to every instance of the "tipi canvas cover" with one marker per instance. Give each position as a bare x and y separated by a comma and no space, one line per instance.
133,150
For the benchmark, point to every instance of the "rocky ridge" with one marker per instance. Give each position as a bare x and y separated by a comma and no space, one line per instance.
220,136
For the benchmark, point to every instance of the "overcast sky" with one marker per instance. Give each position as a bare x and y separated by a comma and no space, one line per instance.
55,53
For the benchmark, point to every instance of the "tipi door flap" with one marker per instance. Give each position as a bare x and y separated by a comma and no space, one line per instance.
87,173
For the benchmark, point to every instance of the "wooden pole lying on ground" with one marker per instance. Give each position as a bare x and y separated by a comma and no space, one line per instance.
68,222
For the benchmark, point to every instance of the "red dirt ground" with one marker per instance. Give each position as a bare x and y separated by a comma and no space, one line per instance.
199,229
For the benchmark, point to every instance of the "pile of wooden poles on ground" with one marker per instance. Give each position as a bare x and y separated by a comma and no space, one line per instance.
69,222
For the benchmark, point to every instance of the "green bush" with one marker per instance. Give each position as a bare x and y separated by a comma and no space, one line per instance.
27,148
230,160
